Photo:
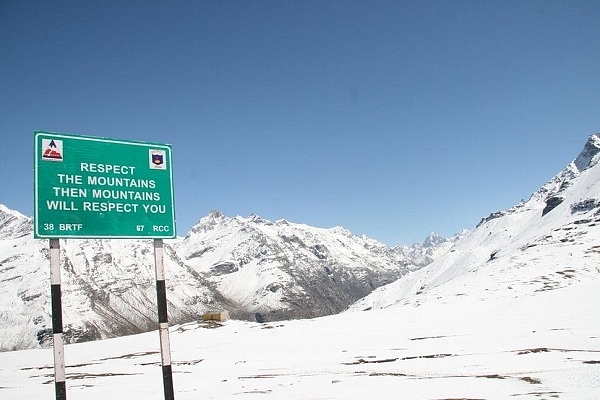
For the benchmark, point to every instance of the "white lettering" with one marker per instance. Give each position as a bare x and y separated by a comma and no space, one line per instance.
107,168
95,206
155,208
69,192
125,195
64,178
121,182
70,227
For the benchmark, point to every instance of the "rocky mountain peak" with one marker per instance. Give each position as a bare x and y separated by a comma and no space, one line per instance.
589,155
433,239
208,222
258,219
552,193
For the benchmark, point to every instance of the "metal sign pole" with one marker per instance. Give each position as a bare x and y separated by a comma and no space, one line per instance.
163,323
57,325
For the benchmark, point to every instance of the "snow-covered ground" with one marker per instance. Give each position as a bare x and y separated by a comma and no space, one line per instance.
545,346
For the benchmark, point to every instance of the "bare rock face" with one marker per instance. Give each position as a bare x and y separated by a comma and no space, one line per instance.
589,155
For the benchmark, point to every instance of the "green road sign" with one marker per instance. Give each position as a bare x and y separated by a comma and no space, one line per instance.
89,187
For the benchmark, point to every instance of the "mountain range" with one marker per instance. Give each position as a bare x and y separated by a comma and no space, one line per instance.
254,268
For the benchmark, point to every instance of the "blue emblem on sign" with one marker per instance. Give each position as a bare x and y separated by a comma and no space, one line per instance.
157,159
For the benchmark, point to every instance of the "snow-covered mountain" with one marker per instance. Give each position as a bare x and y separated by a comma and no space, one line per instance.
13,224
256,269
108,289
282,270
550,241
433,247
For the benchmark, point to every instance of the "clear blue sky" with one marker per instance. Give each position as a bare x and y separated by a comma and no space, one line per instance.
390,118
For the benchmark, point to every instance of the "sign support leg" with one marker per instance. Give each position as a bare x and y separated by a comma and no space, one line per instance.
57,325
163,323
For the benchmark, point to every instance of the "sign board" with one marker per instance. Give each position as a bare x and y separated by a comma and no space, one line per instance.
90,187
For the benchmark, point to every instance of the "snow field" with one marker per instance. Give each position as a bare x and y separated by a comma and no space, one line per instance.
544,346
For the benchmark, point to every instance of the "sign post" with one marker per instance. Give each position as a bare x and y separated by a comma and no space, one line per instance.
57,325
90,187
163,322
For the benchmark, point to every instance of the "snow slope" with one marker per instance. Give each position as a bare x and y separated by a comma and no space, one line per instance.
108,289
541,346
520,251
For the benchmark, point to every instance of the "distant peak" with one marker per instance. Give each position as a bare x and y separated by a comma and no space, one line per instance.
208,222
341,230
258,219
433,239
589,155
215,214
